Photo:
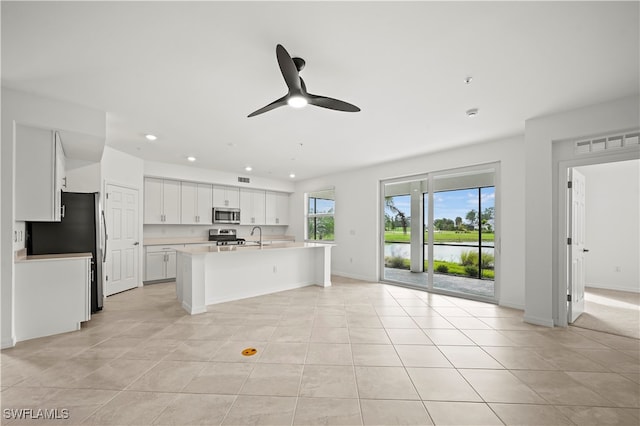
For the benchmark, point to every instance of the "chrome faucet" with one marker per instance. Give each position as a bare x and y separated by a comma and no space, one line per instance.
259,229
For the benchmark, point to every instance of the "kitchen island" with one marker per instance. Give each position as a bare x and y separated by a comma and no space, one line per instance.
207,275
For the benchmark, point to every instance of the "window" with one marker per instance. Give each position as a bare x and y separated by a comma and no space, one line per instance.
321,206
438,231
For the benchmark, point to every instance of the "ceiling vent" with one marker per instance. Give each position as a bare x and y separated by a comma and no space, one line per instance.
244,179
607,143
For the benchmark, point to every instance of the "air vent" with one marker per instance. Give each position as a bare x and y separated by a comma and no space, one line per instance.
607,143
244,179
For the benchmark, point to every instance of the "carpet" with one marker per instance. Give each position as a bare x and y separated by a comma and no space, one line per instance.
611,311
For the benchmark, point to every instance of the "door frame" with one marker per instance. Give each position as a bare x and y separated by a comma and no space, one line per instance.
104,210
562,284
429,177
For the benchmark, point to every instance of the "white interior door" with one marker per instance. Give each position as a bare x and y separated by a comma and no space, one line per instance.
123,240
576,246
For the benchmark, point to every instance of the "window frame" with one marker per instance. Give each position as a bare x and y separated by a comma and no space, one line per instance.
308,215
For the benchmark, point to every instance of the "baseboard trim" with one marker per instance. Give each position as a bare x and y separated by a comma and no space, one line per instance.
355,276
545,322
8,343
615,288
512,305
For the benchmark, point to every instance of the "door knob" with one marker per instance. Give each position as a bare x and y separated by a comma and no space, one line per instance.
136,243
585,250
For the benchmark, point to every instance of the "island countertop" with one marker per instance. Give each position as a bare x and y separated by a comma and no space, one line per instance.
203,249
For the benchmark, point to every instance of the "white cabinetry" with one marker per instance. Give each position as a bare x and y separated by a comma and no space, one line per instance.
277,208
252,207
226,196
197,201
160,262
39,174
52,296
161,201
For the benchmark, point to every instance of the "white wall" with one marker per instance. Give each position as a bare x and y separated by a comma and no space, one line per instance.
82,176
541,217
613,228
19,107
356,254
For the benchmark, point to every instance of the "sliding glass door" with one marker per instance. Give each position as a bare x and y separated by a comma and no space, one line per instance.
439,232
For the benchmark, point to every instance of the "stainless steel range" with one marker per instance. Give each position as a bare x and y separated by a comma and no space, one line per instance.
224,237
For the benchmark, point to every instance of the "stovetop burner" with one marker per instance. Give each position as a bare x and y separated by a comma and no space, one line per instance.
236,242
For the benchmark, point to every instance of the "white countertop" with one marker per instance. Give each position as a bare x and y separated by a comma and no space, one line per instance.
62,256
202,240
251,247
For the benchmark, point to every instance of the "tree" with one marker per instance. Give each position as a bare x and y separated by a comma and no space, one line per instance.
487,219
472,218
389,223
458,222
399,215
444,224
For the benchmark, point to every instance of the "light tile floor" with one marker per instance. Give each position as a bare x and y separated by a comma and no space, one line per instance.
355,353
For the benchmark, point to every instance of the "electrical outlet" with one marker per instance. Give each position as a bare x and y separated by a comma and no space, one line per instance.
351,260
275,269
618,269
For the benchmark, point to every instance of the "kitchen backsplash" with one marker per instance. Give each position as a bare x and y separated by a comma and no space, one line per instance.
172,231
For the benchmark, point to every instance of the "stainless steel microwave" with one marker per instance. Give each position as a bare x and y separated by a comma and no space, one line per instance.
226,215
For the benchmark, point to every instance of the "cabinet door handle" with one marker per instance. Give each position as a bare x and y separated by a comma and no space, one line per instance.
64,179
62,210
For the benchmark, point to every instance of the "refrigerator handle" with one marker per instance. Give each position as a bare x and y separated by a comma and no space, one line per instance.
104,222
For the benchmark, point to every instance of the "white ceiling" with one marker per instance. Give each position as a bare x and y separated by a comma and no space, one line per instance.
191,72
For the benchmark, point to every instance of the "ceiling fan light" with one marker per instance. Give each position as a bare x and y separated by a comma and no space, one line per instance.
297,101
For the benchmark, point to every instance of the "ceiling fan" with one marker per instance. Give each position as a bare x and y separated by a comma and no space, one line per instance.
298,96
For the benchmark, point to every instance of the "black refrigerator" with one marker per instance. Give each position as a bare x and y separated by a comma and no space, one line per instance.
78,232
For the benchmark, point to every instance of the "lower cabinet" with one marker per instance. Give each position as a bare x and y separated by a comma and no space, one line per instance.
160,263
52,296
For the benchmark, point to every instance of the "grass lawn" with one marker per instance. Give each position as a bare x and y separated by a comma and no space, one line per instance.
397,236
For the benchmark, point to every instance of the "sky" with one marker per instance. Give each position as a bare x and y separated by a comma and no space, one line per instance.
451,204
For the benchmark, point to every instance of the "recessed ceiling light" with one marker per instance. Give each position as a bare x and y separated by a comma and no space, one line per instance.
192,159
472,112
248,168
468,80
292,175
297,101
151,137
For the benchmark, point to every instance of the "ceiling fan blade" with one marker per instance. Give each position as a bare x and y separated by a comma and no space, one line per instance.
330,103
288,69
273,105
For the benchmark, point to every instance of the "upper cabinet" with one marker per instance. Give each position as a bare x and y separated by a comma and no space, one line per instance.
39,174
252,207
161,201
277,208
197,201
226,196
174,202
